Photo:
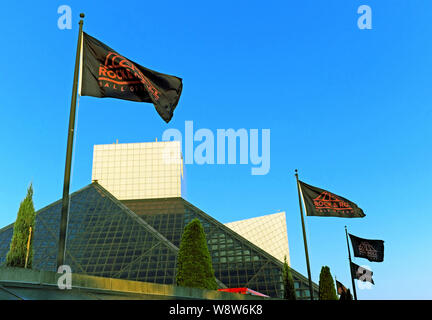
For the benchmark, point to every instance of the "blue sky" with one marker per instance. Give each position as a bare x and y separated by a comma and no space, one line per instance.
350,108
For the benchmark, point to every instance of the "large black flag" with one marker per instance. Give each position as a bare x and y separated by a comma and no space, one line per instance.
373,250
105,73
361,273
319,202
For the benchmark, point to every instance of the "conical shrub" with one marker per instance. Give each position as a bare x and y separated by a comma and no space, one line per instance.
16,256
194,265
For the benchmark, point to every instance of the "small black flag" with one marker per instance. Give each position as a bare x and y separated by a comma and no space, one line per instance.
319,202
105,73
346,295
373,250
341,289
361,273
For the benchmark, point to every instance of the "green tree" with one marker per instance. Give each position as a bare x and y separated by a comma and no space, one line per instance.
194,265
288,282
16,256
327,289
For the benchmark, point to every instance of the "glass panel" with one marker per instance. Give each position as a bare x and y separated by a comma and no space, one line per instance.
106,239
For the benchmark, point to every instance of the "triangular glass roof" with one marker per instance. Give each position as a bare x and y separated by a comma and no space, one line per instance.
236,261
104,238
139,239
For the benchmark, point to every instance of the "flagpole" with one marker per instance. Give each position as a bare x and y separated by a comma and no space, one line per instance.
349,258
336,285
66,184
304,237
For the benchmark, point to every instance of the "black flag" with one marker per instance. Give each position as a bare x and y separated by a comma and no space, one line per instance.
319,202
373,250
341,289
105,73
361,273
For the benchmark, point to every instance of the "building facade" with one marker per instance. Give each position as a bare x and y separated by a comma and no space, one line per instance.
139,170
128,224
268,232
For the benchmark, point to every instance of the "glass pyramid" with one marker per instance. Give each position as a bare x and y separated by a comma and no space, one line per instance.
104,238
139,240
236,261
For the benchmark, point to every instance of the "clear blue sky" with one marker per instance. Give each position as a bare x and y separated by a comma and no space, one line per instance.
350,108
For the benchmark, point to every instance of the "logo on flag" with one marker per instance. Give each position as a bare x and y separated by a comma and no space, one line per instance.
366,249
341,289
120,74
327,201
319,202
361,273
107,74
373,250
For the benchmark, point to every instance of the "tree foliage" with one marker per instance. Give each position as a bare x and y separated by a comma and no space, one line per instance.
288,282
194,265
25,219
327,290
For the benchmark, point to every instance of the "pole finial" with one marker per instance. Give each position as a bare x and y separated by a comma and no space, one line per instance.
82,15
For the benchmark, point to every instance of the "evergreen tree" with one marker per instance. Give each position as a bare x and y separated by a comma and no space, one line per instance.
288,282
194,265
16,256
327,289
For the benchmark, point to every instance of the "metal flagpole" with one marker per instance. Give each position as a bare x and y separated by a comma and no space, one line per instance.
304,237
349,258
65,200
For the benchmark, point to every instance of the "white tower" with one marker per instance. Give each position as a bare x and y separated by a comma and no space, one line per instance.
139,170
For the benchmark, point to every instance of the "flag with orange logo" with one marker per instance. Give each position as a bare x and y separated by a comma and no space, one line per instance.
105,73
341,289
319,202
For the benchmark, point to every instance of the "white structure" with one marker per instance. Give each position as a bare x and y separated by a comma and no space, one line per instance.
139,170
268,232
